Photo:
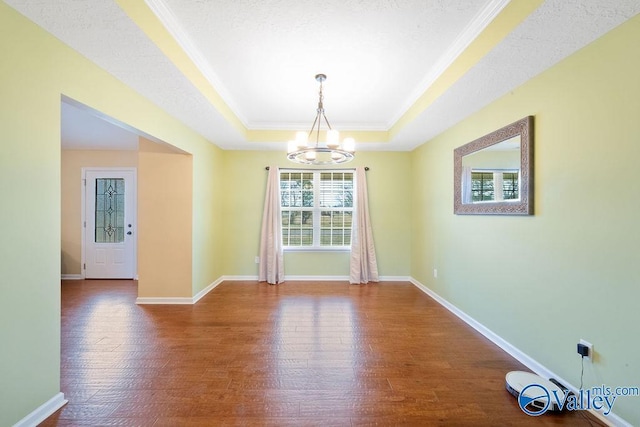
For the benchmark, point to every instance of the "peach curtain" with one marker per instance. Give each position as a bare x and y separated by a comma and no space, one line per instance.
363,266
271,267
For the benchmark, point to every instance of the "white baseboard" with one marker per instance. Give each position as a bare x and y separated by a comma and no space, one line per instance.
179,300
206,290
287,278
344,278
43,411
71,277
395,278
497,340
300,278
611,419
239,278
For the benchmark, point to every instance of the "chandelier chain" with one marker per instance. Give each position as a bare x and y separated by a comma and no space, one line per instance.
320,114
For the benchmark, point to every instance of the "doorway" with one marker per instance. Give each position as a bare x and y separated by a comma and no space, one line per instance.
109,223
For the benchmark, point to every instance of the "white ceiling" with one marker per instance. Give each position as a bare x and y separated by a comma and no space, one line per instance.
261,56
84,129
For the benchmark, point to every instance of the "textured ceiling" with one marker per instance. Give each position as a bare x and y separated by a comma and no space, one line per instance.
260,57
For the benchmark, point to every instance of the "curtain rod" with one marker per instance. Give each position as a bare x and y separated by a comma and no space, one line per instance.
303,169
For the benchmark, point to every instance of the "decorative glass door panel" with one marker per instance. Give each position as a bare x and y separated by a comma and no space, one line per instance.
109,226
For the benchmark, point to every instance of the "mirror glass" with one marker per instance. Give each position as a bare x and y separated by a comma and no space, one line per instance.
492,175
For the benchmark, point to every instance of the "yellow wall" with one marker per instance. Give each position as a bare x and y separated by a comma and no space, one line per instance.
571,271
389,202
35,71
165,214
30,221
71,187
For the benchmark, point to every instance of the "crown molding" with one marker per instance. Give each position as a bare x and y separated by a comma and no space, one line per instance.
170,22
460,44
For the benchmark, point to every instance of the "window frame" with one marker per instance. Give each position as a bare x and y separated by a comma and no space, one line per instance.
317,211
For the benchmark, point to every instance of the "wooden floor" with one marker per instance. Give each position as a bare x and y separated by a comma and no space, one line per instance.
301,353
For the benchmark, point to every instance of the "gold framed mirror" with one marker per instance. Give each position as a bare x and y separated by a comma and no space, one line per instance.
493,175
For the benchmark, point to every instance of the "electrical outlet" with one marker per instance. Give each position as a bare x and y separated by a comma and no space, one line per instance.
257,260
589,347
435,273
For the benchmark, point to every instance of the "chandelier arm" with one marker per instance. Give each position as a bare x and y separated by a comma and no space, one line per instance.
326,121
318,130
313,126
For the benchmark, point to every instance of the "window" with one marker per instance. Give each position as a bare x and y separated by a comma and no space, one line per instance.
481,186
317,209
494,185
510,186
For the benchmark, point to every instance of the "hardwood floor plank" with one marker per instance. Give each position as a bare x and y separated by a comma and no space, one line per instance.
297,354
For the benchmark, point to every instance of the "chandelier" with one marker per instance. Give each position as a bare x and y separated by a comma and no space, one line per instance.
329,152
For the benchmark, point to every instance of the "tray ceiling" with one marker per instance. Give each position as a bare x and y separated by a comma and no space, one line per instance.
399,71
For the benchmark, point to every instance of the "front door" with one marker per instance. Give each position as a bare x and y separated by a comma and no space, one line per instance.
110,223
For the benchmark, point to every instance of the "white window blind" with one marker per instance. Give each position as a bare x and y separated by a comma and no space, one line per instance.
317,209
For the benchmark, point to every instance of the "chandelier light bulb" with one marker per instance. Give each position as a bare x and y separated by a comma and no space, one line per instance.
333,138
301,139
349,144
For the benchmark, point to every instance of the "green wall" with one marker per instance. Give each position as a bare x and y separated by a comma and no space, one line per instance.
389,185
570,271
208,225
35,71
